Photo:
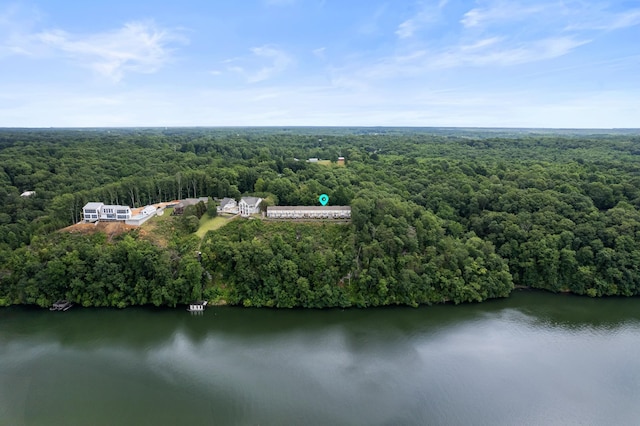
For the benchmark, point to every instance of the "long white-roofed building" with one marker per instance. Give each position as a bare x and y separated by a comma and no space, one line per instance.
309,212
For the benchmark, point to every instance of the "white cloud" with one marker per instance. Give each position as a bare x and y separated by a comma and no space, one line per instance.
480,44
487,36
277,62
320,52
140,47
371,25
491,52
308,105
428,14
624,20
487,52
458,76
502,11
407,28
550,14
16,24
600,19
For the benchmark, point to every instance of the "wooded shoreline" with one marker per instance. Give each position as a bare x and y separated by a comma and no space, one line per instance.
437,215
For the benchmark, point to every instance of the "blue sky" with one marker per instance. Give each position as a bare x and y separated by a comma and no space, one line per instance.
490,63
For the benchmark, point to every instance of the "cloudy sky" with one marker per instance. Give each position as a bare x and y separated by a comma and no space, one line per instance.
490,63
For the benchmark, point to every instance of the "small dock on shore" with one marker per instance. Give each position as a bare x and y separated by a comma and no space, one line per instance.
61,305
197,307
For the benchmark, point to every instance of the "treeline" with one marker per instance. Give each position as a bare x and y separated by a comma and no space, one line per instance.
87,270
560,226
282,264
394,253
438,215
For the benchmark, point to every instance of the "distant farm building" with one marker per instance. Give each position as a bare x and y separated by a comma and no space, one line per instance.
309,212
340,161
28,193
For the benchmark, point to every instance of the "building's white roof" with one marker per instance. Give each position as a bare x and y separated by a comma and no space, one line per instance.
251,201
308,208
28,193
115,207
226,201
94,206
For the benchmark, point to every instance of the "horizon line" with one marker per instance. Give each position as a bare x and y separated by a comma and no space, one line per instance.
312,126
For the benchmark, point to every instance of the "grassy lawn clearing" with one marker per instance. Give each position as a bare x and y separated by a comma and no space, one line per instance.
159,229
210,224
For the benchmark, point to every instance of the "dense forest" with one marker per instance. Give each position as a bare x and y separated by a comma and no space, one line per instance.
438,215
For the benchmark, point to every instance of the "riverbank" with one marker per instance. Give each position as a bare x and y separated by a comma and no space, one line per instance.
224,303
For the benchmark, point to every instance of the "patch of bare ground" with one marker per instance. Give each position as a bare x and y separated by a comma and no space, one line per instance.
112,229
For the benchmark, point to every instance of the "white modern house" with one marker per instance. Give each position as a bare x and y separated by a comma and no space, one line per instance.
92,212
309,212
249,205
28,193
114,212
228,205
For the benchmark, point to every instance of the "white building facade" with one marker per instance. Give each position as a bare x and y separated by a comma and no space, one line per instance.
115,212
92,212
249,205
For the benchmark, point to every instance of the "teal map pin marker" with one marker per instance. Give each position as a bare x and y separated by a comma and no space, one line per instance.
324,199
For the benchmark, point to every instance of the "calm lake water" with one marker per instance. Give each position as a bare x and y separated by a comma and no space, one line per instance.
532,359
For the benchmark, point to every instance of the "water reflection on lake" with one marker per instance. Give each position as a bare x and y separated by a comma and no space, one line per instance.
534,358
